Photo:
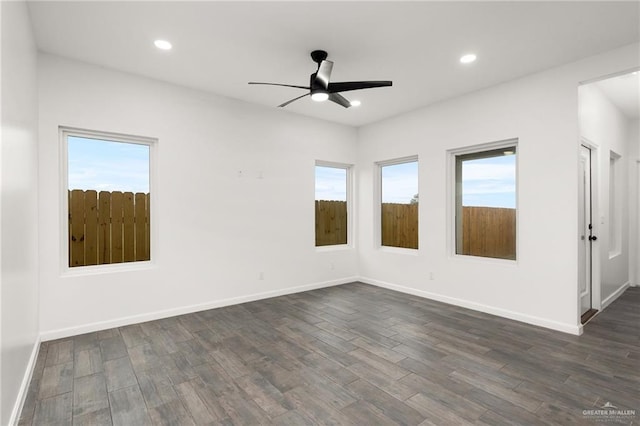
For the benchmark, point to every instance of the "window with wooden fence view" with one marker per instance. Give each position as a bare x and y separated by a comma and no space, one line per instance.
486,203
108,200
399,204
331,204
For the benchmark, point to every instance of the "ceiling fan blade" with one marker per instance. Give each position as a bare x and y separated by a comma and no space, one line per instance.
292,100
283,85
339,99
346,86
323,74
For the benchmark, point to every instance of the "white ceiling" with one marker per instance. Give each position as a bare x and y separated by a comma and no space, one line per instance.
220,46
624,92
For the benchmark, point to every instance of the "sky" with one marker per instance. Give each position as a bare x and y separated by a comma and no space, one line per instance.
116,166
487,182
331,183
107,166
399,182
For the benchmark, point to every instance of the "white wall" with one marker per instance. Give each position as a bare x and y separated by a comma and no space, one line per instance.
19,189
216,231
603,125
539,110
634,201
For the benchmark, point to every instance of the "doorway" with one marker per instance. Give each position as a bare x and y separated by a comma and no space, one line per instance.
585,245
609,110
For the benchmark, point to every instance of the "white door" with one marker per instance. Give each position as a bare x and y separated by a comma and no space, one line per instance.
586,234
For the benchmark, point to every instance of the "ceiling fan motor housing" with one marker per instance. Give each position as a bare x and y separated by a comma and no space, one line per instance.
318,56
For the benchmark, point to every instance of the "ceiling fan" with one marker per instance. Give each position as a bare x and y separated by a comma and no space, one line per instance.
321,89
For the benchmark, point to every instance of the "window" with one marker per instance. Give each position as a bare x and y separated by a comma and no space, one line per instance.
615,207
485,200
399,203
332,203
108,195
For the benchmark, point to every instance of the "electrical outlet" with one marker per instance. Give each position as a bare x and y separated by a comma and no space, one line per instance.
432,276
332,266
261,276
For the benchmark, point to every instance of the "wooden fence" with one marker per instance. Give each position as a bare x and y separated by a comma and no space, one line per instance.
486,231
489,232
114,227
108,227
400,225
331,222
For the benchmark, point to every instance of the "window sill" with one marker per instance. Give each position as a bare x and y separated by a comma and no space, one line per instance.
481,259
340,247
399,250
108,269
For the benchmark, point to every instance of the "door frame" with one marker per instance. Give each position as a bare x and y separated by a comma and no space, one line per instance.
596,274
635,275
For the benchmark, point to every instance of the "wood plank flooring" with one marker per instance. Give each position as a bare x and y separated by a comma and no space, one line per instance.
352,354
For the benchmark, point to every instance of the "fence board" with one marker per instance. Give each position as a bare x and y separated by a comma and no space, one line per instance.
489,232
331,222
140,228
128,227
399,225
104,227
76,225
147,214
69,231
108,227
91,228
117,243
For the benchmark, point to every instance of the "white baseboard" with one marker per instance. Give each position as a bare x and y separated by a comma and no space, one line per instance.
24,386
606,302
542,322
151,316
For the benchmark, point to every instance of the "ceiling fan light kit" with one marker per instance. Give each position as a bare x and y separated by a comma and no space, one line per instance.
320,96
321,88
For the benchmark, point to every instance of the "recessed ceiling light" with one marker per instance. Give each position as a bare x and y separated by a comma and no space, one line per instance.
355,103
163,44
467,59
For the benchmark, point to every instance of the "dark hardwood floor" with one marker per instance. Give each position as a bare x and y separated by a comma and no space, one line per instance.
352,354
